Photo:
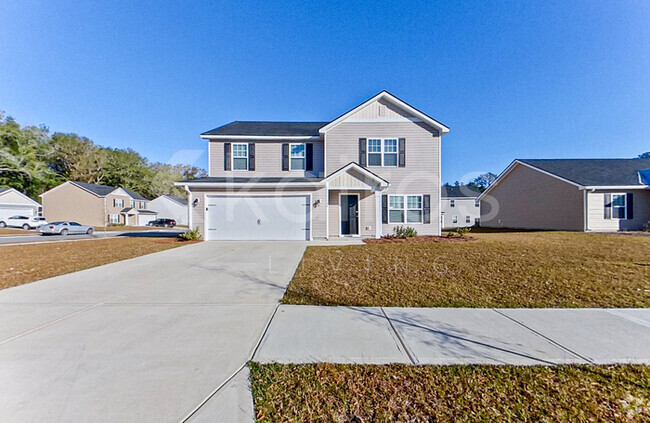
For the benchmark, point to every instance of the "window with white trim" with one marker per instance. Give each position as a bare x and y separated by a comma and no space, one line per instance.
132,204
297,156
619,206
468,219
118,202
477,203
405,209
382,152
114,218
452,203
240,157
454,219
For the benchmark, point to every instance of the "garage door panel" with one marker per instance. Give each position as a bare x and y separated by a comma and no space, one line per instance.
13,209
258,217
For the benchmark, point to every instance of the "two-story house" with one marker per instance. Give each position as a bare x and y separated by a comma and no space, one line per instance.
97,205
460,207
375,167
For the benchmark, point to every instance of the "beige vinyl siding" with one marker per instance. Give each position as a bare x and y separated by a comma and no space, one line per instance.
348,180
421,174
12,197
69,202
366,213
463,207
372,112
596,211
268,159
528,199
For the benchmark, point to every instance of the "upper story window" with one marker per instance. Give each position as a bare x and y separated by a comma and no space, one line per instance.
452,203
382,152
118,202
132,204
297,159
240,156
477,203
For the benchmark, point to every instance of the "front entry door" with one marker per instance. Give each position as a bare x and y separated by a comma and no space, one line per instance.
349,214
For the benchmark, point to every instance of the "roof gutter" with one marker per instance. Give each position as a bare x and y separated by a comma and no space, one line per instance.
249,184
262,137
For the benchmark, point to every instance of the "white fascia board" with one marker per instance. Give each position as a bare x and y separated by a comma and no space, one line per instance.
248,184
625,187
382,183
397,102
261,137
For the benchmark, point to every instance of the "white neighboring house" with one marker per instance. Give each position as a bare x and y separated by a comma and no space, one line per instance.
460,207
170,207
13,202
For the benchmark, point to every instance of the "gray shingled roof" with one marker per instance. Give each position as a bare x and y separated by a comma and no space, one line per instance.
103,190
3,190
279,129
459,191
594,172
180,200
267,180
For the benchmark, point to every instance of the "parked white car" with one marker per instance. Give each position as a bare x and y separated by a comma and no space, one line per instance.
25,222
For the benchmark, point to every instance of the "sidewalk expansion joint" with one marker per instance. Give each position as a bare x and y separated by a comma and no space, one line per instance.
557,344
410,355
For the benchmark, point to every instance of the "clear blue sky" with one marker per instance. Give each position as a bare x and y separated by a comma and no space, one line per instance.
524,79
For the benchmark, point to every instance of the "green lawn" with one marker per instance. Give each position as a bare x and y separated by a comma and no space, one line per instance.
402,393
510,269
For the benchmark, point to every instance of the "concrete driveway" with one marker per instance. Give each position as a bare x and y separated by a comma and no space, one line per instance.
142,340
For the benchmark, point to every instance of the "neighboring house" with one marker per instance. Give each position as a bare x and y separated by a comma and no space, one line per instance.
570,194
96,205
170,207
460,207
14,202
375,167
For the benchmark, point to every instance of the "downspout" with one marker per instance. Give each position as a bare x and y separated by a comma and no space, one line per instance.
189,207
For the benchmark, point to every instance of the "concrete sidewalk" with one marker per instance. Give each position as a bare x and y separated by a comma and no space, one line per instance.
308,334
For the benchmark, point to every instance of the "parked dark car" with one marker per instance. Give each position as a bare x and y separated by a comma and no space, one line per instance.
162,223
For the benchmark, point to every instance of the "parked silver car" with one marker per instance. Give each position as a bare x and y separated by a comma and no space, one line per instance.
65,228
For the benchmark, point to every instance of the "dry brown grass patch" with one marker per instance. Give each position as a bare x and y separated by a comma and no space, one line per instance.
401,393
28,263
535,269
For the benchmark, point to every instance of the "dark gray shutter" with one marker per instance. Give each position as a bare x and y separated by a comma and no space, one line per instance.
226,156
608,206
426,208
285,156
309,156
384,209
402,152
630,206
251,156
362,152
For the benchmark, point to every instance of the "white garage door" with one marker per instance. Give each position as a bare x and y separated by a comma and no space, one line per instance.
8,210
143,219
264,217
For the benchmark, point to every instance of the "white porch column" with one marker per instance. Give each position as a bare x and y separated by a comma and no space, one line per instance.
378,212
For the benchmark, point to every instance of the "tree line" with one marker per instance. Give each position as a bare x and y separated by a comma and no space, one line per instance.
33,161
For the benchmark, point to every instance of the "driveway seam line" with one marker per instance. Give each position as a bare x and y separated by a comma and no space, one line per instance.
225,382
544,336
411,356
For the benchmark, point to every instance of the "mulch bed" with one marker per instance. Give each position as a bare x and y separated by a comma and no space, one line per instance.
416,239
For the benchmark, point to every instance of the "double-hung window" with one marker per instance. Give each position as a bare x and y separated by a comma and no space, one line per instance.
619,206
118,202
240,156
454,219
477,203
468,219
132,204
114,218
405,209
452,203
382,152
297,159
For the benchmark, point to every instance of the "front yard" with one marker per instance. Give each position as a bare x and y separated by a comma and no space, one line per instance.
358,393
28,263
510,269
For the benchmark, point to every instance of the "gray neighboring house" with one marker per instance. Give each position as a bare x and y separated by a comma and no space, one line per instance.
570,194
460,207
171,207
375,167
